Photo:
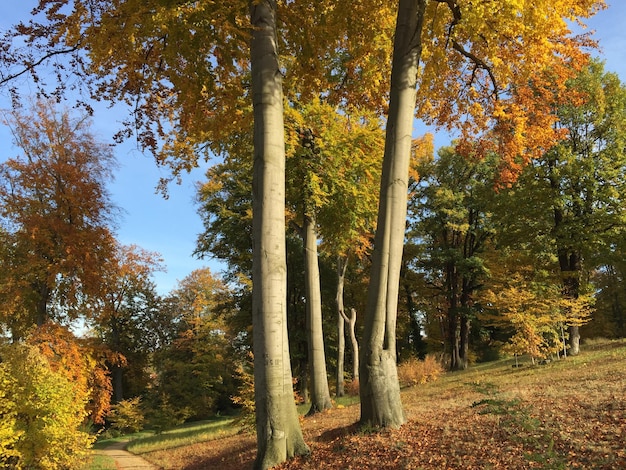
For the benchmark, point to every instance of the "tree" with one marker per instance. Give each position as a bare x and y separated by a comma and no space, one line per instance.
451,205
195,371
80,362
586,178
55,211
571,197
279,436
477,78
126,317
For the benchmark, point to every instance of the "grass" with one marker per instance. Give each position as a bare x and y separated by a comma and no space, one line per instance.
567,414
184,435
100,462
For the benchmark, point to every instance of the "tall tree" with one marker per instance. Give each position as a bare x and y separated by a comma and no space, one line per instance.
452,203
586,178
125,314
379,387
278,430
56,212
475,77
572,197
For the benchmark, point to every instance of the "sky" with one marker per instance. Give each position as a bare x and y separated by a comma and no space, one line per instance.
171,226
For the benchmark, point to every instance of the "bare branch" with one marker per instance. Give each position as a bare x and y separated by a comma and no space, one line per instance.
479,63
29,67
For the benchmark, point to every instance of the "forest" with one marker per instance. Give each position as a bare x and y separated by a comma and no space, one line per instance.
357,254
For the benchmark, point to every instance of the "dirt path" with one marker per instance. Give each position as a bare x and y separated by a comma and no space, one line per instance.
124,460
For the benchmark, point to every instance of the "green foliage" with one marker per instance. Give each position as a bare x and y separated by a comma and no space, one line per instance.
162,415
42,421
127,415
195,371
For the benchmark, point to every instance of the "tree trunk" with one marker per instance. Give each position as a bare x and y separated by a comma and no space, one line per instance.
570,261
355,344
571,269
464,338
320,394
342,265
117,376
279,436
379,387
42,304
454,338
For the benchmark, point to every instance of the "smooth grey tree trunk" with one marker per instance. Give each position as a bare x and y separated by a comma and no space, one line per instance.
279,436
342,265
379,387
355,343
320,393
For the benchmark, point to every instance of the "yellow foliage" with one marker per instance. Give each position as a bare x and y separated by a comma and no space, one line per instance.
415,371
41,423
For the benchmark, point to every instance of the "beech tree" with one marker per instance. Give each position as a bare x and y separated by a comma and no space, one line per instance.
55,212
125,314
475,77
571,199
279,436
451,205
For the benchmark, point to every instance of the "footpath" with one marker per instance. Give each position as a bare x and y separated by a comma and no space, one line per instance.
124,460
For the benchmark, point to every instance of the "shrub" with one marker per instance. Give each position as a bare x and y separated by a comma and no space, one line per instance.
414,371
163,415
245,396
43,416
127,416
352,387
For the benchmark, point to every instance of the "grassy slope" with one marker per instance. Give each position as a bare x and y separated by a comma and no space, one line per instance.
567,414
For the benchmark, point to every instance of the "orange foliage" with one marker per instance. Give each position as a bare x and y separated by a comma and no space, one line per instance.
496,71
415,372
81,364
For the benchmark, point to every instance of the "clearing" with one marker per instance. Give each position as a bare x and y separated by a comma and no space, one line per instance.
567,414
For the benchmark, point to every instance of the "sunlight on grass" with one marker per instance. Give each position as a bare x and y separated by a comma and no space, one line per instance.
184,435
100,462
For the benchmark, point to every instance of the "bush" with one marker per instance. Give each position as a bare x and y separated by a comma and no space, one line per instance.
127,416
414,371
42,413
352,387
163,415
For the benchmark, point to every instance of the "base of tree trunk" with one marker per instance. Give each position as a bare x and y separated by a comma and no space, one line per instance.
380,392
574,340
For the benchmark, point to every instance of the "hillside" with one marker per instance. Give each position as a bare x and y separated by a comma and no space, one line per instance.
567,414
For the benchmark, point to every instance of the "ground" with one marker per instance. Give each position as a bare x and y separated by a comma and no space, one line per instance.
567,414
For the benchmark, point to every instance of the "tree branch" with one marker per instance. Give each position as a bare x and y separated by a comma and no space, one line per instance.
479,63
28,67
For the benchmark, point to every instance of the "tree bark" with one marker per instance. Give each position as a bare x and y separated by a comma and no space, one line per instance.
342,265
320,394
355,344
279,436
571,269
379,387
42,304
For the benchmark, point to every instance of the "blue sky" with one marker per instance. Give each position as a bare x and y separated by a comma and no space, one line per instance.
171,226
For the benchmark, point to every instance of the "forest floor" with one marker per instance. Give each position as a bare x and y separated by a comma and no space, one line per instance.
570,413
